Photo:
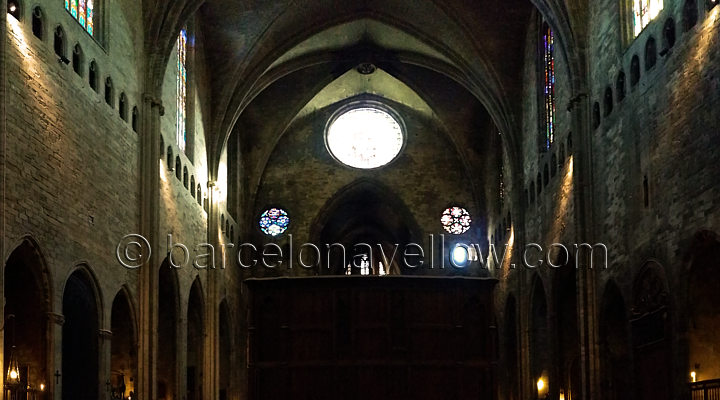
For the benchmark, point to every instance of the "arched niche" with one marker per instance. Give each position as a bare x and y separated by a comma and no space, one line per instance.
704,307
123,348
195,342
567,336
167,333
364,212
616,375
81,337
511,353
27,304
651,329
540,353
226,353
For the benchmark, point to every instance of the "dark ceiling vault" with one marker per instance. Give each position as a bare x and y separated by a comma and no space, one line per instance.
477,44
270,58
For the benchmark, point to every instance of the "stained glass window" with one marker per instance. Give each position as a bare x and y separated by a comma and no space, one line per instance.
548,85
89,11
645,11
274,221
83,11
502,189
456,220
365,137
181,133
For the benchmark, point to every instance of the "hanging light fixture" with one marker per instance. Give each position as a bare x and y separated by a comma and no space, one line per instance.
12,379
13,373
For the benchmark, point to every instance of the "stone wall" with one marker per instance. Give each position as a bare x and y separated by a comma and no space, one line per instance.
303,177
662,133
72,164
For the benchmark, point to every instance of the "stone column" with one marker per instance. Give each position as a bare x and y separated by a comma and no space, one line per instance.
211,333
3,138
586,302
149,130
54,384
105,362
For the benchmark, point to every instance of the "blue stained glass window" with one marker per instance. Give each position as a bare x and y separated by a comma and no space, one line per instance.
274,221
549,85
181,132
82,11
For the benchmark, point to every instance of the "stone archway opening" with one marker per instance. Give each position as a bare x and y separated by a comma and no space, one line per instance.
80,338
704,309
614,346
123,348
226,352
195,343
26,317
167,333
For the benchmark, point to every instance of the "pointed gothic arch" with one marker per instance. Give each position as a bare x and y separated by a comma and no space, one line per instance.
651,329
123,347
540,356
226,352
702,314
27,312
511,349
343,218
167,381
82,311
195,358
615,363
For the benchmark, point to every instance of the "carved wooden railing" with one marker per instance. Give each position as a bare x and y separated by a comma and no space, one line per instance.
705,390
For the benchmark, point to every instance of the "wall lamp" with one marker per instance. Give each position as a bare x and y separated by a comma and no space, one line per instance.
542,388
13,8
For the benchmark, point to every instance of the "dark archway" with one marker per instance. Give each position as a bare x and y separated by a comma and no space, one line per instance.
123,349
27,298
195,342
511,350
567,337
80,338
226,351
167,332
351,218
615,376
651,330
540,359
704,307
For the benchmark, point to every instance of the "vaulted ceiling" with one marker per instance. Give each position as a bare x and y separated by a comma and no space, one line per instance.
271,61
254,44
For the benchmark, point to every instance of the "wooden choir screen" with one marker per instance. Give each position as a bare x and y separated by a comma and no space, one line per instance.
371,338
